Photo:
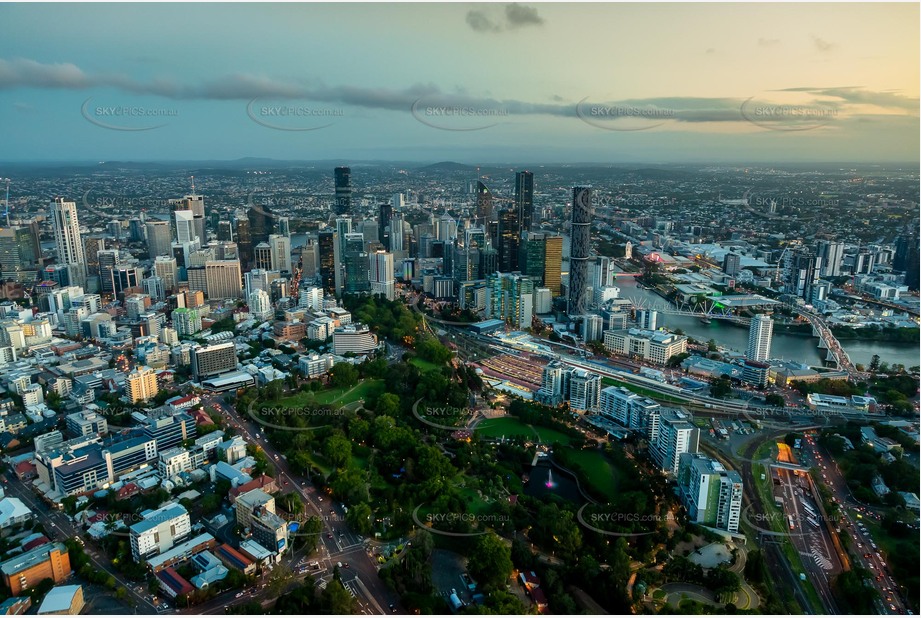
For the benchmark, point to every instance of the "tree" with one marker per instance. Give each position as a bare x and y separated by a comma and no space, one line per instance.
874,364
490,562
359,517
711,346
775,400
338,449
343,375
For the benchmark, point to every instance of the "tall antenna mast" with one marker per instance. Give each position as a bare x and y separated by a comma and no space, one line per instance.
193,185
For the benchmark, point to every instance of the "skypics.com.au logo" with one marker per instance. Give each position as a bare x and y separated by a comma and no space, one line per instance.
301,418
130,118
439,416
613,523
292,115
458,524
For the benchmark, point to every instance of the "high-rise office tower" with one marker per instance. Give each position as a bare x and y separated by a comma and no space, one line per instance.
66,228
524,200
396,232
381,274
330,262
194,204
244,240
261,224
223,279
165,267
759,338
17,255
447,228
509,236
385,214
604,273
262,256
356,264
185,226
225,230
284,226
159,238
108,260
310,259
343,179
580,249
732,263
802,273
343,227
483,203
831,253
280,250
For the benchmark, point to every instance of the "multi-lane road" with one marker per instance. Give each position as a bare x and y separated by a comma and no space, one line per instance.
60,527
337,543
864,549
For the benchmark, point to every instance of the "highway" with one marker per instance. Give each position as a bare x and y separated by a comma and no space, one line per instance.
864,554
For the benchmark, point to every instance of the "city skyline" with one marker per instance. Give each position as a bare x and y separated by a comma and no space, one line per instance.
747,83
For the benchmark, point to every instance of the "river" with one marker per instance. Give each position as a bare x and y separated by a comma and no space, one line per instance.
790,347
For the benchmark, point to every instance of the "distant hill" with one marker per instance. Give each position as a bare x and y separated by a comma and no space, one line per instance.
447,166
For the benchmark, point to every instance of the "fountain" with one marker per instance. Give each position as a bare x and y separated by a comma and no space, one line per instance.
550,484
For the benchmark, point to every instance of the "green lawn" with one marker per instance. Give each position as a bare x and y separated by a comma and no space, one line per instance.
334,396
644,392
423,365
600,473
509,426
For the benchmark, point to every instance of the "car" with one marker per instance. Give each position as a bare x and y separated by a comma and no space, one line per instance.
345,565
393,608
892,606
329,535
339,564
320,498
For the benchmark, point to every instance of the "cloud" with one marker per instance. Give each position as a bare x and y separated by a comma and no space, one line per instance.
481,23
21,74
859,96
768,42
821,44
516,16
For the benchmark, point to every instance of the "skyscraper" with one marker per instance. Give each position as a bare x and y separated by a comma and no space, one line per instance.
524,200
194,204
67,237
165,267
185,226
159,238
261,224
385,214
343,178
483,203
330,262
802,273
356,264
731,264
280,250
381,274
509,237
579,250
223,279
759,338
831,253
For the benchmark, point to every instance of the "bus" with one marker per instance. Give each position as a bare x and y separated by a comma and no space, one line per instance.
792,525
809,509
813,521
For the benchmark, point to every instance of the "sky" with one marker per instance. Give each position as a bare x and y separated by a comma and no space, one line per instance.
476,83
